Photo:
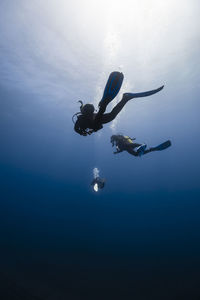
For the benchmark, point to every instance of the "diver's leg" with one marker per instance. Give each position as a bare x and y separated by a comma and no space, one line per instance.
132,152
135,145
102,109
106,118
100,114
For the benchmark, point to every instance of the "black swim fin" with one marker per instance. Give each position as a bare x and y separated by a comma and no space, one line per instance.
143,94
112,88
162,146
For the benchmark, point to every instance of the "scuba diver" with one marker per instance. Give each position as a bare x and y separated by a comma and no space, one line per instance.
125,143
98,183
88,121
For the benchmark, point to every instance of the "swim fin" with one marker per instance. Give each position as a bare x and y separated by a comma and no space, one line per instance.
143,94
162,146
112,88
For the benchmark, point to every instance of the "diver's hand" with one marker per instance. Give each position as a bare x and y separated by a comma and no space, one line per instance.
84,133
90,131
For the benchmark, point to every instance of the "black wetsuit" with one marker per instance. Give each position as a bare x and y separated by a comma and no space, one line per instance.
95,121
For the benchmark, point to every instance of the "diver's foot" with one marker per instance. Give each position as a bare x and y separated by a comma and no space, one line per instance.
128,96
141,149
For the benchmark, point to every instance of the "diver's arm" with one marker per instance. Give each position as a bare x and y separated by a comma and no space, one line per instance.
118,151
76,128
79,130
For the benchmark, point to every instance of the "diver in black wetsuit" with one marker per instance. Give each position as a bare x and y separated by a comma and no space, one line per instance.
88,122
125,143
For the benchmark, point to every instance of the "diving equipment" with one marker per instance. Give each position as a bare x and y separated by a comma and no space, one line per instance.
112,87
129,96
141,149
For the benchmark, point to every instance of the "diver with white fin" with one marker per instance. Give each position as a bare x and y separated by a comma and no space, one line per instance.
88,121
125,143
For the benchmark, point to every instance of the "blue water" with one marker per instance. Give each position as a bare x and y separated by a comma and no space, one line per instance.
139,237
57,239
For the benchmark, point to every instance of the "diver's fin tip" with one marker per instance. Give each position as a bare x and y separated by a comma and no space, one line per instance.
163,146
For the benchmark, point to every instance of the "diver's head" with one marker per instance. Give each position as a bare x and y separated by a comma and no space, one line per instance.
87,109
